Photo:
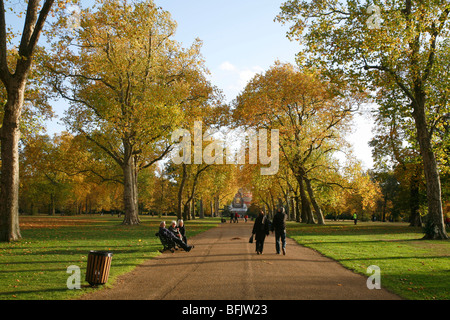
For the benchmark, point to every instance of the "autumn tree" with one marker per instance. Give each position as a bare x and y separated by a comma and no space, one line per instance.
36,109
396,154
39,161
61,174
219,185
395,144
393,44
14,78
128,81
311,117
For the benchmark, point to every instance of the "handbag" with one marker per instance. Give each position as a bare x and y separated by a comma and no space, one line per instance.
251,239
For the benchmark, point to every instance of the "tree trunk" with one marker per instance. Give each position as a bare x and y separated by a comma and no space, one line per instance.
307,216
192,202
186,211
52,204
288,207
435,218
297,209
136,188
292,210
216,205
129,188
415,219
180,210
201,214
211,209
316,206
10,135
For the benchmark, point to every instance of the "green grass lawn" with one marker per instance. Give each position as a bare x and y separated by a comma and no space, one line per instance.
36,266
410,267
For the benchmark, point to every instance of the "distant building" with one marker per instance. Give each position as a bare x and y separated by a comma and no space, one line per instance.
247,196
241,202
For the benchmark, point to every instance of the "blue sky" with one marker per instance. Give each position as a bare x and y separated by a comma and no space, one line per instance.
240,39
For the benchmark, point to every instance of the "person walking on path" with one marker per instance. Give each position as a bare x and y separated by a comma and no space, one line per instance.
260,230
279,226
355,218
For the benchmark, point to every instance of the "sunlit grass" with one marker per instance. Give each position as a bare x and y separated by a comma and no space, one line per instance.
410,267
36,267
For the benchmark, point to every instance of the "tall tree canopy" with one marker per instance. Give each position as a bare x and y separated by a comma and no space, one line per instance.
14,73
399,45
129,84
312,119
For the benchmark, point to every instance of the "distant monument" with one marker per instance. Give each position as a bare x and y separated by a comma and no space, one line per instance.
240,202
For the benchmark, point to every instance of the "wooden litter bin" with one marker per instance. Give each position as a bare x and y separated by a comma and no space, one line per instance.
98,265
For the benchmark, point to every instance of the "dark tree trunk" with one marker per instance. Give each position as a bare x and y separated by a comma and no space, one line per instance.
180,211
15,84
10,135
129,188
186,211
201,213
306,215
435,218
316,206
52,204
192,204
415,220
297,209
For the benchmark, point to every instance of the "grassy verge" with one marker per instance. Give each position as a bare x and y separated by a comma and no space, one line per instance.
410,267
36,267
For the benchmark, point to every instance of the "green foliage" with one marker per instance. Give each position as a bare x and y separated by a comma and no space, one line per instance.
405,54
253,211
226,212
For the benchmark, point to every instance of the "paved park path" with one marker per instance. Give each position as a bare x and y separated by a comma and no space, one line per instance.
224,266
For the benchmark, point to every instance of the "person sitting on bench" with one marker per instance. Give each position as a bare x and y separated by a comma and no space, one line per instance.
182,230
175,230
169,235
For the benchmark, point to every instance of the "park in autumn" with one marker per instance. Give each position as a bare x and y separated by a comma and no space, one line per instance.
149,136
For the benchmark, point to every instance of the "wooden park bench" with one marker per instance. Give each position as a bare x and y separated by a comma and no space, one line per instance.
168,244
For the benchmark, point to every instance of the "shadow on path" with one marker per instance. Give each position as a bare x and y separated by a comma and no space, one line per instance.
224,266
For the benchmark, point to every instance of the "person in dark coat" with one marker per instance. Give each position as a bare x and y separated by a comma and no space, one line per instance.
182,230
174,229
170,235
261,230
279,226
